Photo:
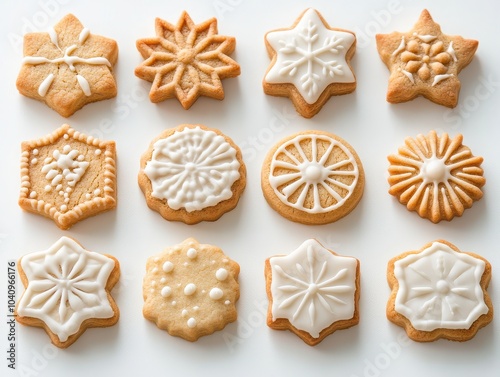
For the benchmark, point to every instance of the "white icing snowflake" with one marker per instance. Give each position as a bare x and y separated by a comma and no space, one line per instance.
313,288
310,56
193,169
66,167
66,286
440,288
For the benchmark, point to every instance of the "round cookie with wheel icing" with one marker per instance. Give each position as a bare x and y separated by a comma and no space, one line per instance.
439,292
436,176
312,177
190,290
192,173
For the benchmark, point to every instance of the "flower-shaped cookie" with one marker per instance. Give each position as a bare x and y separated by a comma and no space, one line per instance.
67,291
436,176
439,292
68,67
425,62
186,61
190,290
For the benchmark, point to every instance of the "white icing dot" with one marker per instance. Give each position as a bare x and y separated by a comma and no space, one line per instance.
191,253
216,293
196,308
81,157
48,188
64,208
61,193
69,189
66,195
33,194
174,303
191,322
168,266
225,260
186,264
66,148
47,160
66,136
153,283
35,152
34,161
167,291
227,302
97,152
97,192
189,289
154,270
88,196
66,200
163,280
221,274
156,259
184,313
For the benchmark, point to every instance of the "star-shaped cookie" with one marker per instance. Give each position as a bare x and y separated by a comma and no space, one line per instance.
310,63
425,62
186,61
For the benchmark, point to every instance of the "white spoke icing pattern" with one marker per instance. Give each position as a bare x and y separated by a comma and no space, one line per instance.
313,288
310,56
440,288
193,169
311,172
66,286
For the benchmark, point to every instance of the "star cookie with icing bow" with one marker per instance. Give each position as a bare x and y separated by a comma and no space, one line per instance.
425,62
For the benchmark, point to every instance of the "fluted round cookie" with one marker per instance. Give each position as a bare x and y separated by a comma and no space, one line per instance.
312,177
192,173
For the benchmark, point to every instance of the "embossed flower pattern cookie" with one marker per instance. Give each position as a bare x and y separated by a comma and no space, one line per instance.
312,292
190,290
68,67
186,60
310,63
312,177
67,291
425,62
436,176
192,173
439,292
68,176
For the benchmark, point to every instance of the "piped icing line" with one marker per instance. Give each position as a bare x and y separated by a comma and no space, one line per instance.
439,78
84,85
401,47
84,34
45,85
53,37
450,50
425,38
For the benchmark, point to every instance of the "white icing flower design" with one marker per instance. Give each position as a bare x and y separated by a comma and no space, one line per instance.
440,288
66,286
66,167
193,169
313,287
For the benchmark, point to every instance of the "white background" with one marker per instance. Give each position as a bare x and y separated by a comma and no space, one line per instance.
378,229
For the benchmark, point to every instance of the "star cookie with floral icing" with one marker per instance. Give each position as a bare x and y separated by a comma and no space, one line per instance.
192,173
186,61
68,67
439,292
67,291
425,62
310,63
312,292
436,176
190,290
68,176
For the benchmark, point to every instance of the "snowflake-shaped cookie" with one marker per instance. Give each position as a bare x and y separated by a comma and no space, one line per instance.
190,290
310,63
425,62
68,67
186,61
312,292
436,176
439,292
67,291
68,176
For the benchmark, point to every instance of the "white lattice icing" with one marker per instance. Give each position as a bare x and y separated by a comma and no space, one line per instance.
66,286
440,288
310,56
313,288
193,169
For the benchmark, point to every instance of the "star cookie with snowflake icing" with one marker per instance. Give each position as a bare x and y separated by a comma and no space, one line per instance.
312,292
68,176
425,62
439,292
310,63
186,61
436,176
68,67
67,291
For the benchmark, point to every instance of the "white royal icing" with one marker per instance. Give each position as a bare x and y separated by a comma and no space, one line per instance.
313,288
311,173
66,286
192,169
440,288
310,56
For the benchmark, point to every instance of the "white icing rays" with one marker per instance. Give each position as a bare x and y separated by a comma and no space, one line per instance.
308,174
310,56
66,286
440,288
193,169
313,288
68,59
436,176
